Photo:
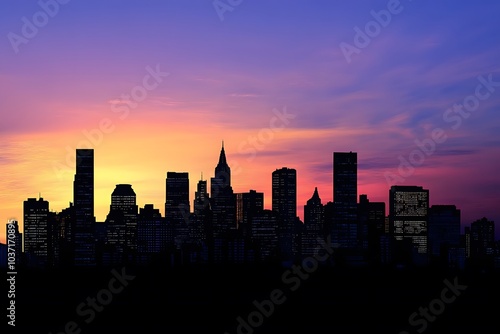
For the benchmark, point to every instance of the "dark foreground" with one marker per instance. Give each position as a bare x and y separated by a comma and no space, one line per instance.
257,299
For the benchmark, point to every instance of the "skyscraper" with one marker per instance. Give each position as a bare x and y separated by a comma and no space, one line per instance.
264,235
124,199
177,208
83,198
223,201
247,206
200,229
66,219
313,225
201,198
444,229
223,205
284,203
121,222
482,239
151,234
177,197
408,216
345,193
371,223
36,228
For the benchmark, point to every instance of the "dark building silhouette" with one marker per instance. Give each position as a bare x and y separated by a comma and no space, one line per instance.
284,203
13,225
83,197
151,234
66,222
466,241
482,239
328,216
177,209
102,250
237,251
247,206
54,240
201,200
3,256
371,232
234,228
408,218
202,217
345,196
186,231
223,210
443,232
36,231
264,229
124,199
177,197
121,225
313,228
223,201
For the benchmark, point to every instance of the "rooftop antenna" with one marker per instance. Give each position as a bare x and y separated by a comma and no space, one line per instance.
202,176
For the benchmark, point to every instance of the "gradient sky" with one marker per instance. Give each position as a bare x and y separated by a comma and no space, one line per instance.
227,79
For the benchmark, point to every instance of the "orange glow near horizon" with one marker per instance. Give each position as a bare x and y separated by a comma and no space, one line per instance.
131,155
141,153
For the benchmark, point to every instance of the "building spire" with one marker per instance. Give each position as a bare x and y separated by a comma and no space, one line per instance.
222,170
315,199
222,156
315,194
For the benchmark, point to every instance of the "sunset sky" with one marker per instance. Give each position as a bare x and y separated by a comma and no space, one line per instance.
66,72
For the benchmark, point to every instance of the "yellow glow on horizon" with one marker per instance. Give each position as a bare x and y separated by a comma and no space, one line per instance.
141,153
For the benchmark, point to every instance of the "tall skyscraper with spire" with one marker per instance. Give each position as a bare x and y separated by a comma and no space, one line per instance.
222,173
313,225
223,204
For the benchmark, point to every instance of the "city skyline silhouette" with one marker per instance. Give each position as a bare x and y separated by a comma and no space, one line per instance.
200,89
408,230
267,202
250,167
341,241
